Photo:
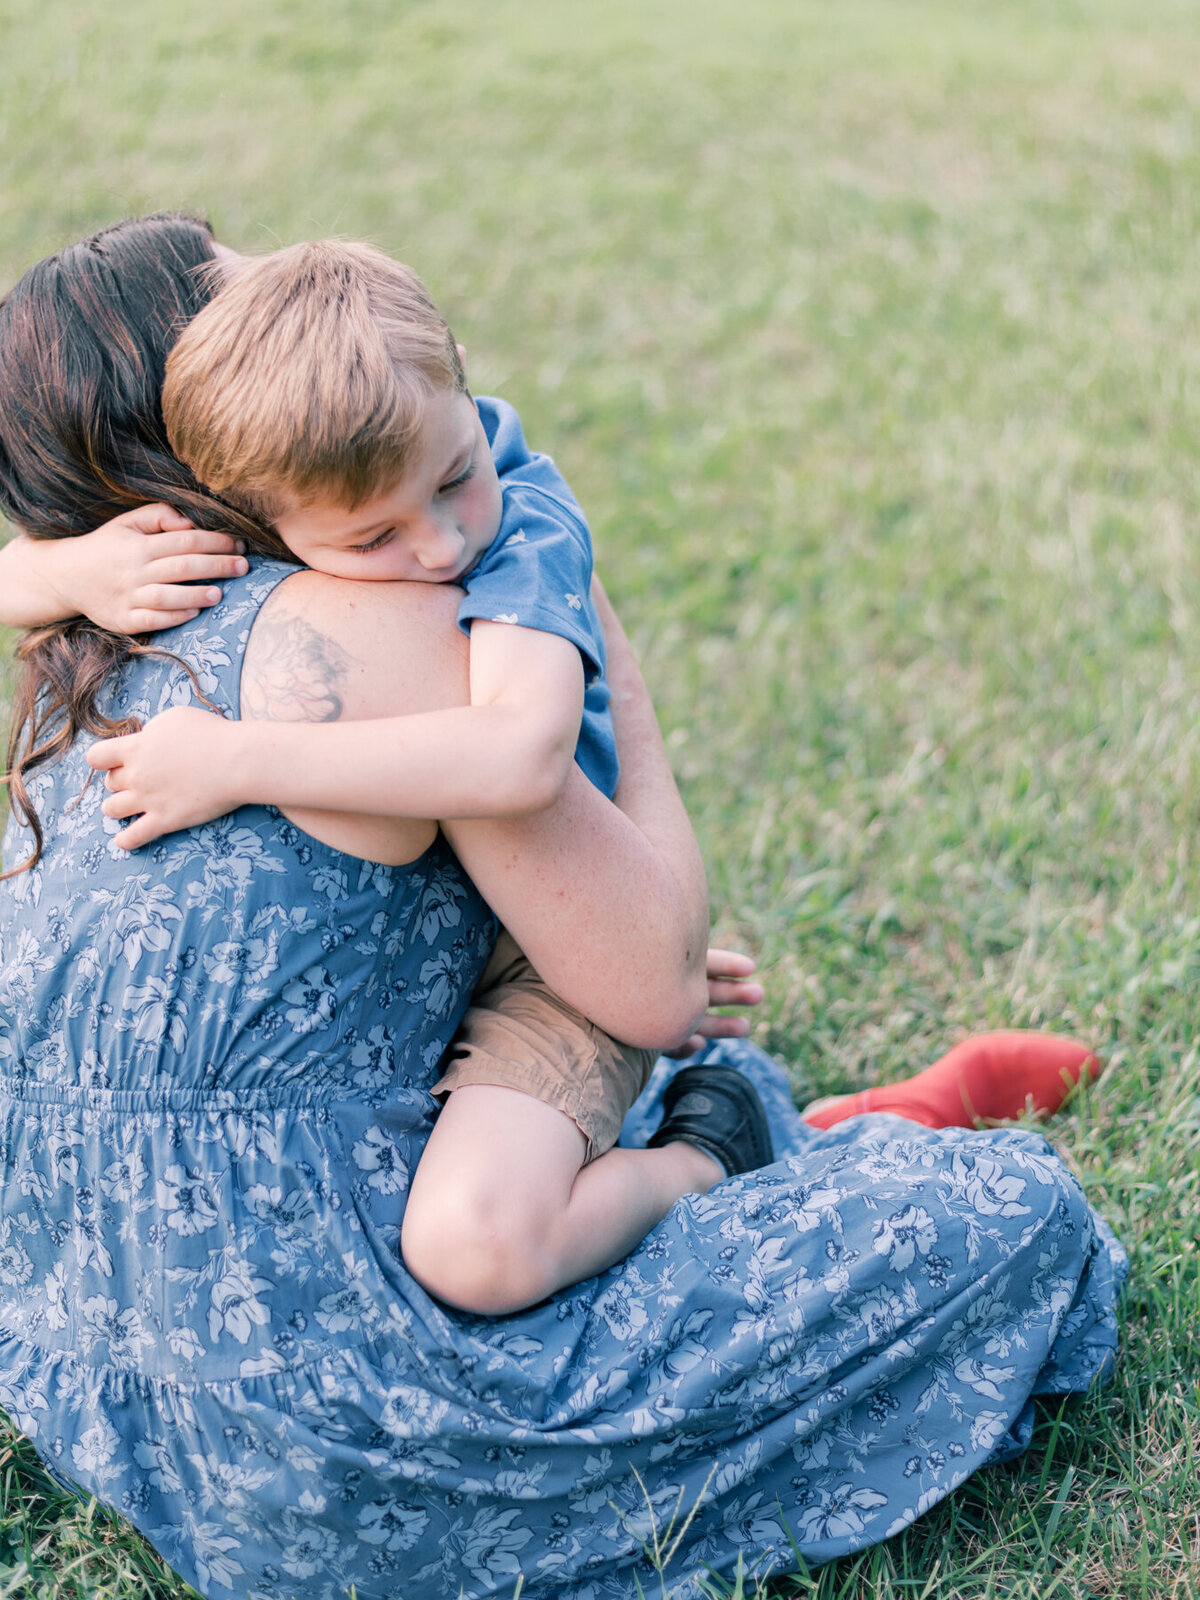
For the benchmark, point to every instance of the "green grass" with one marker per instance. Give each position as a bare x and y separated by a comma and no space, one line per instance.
868,335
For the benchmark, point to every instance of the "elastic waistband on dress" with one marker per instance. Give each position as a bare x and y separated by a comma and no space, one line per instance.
166,1099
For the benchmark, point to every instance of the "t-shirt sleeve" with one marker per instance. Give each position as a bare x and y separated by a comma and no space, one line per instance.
537,572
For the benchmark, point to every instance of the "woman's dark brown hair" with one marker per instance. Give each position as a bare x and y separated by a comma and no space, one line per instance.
84,340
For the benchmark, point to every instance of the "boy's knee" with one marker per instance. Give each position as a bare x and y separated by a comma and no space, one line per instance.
476,1252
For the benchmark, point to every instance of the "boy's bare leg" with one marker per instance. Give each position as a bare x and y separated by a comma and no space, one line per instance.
502,1211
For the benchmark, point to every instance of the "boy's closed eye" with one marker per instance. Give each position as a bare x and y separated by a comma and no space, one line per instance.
463,477
431,525
380,539
377,543
458,481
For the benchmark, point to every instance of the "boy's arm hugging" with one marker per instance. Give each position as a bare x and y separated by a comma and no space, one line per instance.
187,766
149,568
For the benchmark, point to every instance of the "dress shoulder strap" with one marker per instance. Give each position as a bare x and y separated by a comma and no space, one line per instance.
214,643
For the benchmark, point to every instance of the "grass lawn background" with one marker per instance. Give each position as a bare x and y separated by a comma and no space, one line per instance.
867,335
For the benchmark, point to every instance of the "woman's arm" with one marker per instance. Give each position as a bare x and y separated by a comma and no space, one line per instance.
626,876
609,904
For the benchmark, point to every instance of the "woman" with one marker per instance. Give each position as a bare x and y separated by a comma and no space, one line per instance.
214,1072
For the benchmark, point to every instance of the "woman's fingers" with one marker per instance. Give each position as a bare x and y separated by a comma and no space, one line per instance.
729,979
726,992
712,1028
729,963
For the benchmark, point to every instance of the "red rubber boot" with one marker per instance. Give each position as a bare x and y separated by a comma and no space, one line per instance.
990,1077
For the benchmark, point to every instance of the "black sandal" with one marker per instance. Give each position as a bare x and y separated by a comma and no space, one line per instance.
717,1110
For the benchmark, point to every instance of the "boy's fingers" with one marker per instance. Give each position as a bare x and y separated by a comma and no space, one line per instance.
155,518
189,541
152,621
687,1048
176,596
108,753
177,569
122,804
138,833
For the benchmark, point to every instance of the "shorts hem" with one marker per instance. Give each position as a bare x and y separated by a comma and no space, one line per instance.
598,1129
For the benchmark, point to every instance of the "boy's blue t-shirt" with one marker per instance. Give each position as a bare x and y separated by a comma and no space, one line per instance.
537,572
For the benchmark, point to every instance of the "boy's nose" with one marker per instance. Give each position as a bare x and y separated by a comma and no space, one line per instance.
437,547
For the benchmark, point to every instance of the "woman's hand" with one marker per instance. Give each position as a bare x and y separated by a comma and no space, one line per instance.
729,984
180,770
134,574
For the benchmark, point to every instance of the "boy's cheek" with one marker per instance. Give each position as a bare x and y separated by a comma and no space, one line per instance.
495,512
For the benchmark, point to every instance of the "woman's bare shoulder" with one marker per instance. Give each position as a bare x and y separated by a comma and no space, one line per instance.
325,648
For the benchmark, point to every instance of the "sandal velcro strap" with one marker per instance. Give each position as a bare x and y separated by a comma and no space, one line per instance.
717,1110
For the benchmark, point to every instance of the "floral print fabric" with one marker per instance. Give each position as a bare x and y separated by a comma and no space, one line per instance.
215,1062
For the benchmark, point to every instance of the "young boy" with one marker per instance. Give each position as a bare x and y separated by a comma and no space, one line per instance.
323,392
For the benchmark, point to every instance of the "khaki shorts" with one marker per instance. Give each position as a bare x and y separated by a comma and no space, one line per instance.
520,1035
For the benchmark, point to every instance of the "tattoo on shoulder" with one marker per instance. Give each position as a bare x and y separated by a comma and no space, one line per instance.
291,672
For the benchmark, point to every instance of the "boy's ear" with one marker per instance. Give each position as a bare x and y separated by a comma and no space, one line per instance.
462,355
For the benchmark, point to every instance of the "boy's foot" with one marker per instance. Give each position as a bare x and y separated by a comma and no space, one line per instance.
989,1078
717,1110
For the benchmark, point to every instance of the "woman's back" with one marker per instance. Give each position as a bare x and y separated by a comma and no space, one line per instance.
209,1049
212,1092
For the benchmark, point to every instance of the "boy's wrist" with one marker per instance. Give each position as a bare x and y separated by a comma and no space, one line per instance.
59,563
260,758
247,777
53,563
38,571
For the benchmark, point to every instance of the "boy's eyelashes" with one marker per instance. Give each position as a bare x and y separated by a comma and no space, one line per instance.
464,476
373,544
448,487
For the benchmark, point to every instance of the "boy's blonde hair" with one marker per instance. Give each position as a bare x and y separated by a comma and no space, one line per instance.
307,377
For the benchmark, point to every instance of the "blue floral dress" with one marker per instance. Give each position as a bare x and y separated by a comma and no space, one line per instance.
215,1062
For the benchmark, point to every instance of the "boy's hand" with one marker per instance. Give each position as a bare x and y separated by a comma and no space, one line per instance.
179,771
728,985
139,572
